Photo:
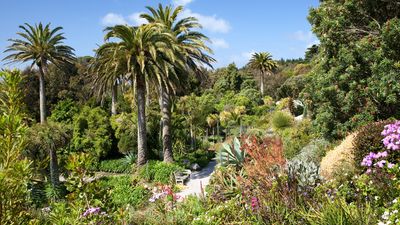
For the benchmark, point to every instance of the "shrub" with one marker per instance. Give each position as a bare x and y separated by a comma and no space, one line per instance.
281,120
313,151
15,171
123,192
265,159
295,138
92,132
125,129
201,157
115,166
368,139
157,171
64,111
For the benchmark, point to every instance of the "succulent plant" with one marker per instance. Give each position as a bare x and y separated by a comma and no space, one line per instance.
306,173
231,155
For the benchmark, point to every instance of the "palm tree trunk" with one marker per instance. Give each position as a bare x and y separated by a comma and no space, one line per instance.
141,125
165,105
191,137
42,94
147,94
114,93
54,174
262,84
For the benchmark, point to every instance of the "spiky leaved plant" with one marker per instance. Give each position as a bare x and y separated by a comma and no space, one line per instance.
231,155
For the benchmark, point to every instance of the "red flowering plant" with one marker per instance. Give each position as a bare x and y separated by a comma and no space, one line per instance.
263,167
162,194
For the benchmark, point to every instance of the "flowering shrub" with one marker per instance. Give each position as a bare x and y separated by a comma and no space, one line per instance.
392,136
368,139
391,141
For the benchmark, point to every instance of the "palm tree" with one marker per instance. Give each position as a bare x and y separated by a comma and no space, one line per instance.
146,49
109,67
262,62
193,52
41,45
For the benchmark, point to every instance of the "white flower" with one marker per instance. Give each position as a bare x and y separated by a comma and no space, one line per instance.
385,215
394,201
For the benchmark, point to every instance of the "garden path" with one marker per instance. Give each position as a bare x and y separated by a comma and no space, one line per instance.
198,181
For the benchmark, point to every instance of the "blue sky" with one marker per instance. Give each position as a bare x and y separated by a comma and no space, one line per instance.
237,28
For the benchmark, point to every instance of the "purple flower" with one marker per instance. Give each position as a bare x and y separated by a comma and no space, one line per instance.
380,164
91,210
255,204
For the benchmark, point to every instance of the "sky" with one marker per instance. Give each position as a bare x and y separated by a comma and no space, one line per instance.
236,28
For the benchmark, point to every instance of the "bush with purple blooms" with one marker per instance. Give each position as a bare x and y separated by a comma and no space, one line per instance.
386,158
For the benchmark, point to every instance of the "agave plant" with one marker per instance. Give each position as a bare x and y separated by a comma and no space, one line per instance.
306,173
231,155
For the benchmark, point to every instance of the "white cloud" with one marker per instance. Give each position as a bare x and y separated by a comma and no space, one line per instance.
219,43
211,23
112,19
242,58
181,2
307,37
136,19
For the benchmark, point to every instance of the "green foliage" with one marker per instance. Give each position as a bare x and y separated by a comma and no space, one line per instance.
92,132
159,172
337,211
295,138
229,80
281,120
368,139
64,111
354,79
44,137
292,87
314,151
231,155
123,192
201,157
224,184
228,212
115,166
125,129
15,171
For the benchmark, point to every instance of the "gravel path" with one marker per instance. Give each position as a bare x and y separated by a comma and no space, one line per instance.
198,181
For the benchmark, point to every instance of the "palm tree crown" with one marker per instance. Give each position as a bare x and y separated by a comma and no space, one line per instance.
264,63
39,44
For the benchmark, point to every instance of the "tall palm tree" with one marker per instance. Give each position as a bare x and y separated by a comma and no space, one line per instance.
262,62
193,51
41,45
109,67
146,49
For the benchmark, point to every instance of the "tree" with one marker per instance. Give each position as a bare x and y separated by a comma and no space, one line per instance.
263,63
41,45
146,49
15,172
356,71
192,48
109,67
